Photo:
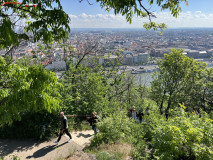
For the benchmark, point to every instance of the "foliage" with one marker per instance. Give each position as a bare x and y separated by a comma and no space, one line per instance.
104,156
26,89
183,135
84,91
180,80
40,125
46,24
113,128
96,88
25,61
135,7
78,124
47,21
14,158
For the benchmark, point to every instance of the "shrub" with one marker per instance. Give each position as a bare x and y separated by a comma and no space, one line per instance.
115,127
41,125
104,156
183,136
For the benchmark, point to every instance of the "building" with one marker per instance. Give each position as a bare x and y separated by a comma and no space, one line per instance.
128,60
57,65
143,57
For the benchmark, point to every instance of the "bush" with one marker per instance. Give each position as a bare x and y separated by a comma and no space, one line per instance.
41,125
183,136
113,128
104,156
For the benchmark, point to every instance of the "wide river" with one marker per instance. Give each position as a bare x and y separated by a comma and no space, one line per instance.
143,79
146,78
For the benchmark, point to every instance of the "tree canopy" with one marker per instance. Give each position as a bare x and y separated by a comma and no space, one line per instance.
26,89
129,8
43,21
182,80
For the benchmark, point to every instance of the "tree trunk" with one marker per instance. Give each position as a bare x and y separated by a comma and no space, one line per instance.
161,106
169,105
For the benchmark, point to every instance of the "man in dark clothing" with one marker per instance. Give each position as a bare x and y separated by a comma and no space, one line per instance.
140,116
93,121
147,111
64,128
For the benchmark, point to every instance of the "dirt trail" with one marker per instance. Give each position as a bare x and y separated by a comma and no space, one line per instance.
47,150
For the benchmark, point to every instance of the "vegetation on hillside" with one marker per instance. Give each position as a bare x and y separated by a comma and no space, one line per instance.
179,125
180,99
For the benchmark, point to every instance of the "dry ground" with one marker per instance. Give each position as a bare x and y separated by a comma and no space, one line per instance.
29,149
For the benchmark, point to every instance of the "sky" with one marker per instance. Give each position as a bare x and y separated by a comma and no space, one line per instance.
198,14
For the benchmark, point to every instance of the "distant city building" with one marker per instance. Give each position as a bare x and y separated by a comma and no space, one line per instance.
57,65
143,57
135,59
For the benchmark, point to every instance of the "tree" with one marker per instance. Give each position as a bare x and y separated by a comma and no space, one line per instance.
46,24
137,7
26,89
86,93
178,81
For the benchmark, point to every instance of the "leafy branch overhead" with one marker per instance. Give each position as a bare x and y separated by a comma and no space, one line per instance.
47,21
137,7
46,24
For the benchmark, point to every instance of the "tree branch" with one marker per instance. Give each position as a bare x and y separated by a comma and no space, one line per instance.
86,53
150,14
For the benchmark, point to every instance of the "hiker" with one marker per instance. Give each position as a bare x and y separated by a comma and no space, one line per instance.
93,121
140,116
147,111
134,114
64,128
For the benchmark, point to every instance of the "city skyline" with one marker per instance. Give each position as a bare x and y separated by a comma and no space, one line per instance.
197,15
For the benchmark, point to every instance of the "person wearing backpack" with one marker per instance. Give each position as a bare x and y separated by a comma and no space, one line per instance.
93,121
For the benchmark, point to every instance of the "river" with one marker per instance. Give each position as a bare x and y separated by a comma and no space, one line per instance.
145,78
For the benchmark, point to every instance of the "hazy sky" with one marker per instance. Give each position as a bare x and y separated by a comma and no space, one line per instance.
199,13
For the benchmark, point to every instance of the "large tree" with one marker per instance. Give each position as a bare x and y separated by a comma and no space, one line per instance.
43,21
181,80
26,89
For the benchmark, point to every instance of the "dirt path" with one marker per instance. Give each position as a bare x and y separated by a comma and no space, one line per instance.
46,150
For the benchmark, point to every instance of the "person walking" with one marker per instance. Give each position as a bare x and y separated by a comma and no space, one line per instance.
140,116
64,128
134,114
147,111
93,121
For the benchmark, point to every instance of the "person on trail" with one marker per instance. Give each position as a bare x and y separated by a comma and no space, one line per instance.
64,128
147,111
140,116
93,121
134,114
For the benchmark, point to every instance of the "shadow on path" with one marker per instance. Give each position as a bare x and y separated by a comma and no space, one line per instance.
43,151
8,146
84,135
